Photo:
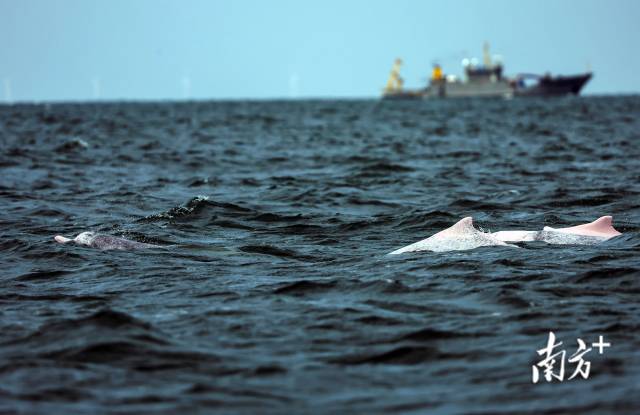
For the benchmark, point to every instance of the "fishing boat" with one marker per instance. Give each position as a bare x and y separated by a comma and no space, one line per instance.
484,80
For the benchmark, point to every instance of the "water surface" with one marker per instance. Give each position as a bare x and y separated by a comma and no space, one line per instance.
273,293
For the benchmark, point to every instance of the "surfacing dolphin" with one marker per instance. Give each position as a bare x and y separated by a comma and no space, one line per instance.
104,242
459,237
591,233
463,236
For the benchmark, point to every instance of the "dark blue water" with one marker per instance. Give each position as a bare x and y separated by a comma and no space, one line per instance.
273,293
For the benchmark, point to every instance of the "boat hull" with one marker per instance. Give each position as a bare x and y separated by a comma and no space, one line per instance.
555,86
497,89
403,95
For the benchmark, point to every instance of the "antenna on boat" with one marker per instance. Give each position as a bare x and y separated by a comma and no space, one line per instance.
486,56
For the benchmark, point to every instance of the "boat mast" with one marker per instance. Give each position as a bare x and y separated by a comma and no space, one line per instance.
486,57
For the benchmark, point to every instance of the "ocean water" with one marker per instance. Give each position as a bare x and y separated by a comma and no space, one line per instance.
273,293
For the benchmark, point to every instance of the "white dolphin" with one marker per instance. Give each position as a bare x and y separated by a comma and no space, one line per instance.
459,237
590,233
104,242
463,236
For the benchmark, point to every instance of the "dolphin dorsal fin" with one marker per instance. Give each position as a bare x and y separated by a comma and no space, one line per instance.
604,221
462,226
600,227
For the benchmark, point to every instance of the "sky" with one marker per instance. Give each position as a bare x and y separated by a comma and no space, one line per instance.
83,50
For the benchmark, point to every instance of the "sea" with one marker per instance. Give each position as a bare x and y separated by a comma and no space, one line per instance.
272,291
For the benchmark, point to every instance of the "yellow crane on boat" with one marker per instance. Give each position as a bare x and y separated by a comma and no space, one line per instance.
395,85
395,82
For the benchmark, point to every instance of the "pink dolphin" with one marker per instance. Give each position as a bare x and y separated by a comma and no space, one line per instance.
599,230
461,236
601,227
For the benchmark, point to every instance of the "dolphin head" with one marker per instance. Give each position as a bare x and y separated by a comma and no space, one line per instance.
85,238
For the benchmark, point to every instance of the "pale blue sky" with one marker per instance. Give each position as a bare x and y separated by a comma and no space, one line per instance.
156,49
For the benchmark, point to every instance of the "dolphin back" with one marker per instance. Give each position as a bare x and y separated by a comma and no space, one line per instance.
459,237
106,242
